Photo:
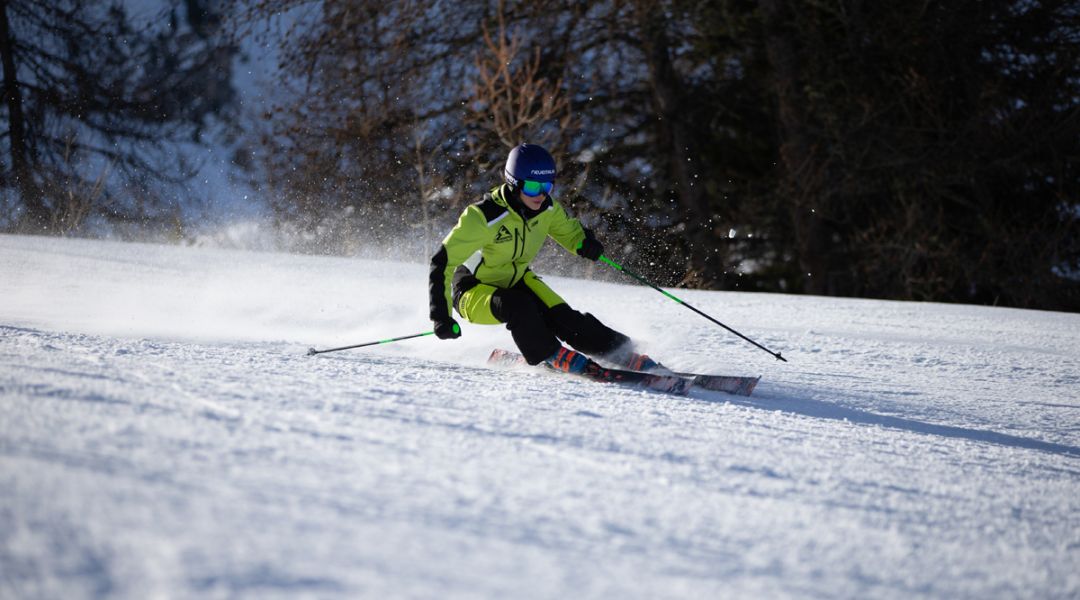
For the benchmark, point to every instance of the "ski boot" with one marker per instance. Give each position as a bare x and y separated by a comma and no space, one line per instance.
643,363
576,363
568,361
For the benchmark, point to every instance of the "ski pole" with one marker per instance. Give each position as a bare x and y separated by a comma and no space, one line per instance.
619,267
313,352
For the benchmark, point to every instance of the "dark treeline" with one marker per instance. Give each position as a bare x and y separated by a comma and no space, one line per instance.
926,151
95,104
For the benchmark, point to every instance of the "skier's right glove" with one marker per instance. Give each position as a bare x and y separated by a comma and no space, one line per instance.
447,329
589,247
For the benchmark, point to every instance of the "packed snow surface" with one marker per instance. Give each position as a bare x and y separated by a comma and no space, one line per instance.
162,434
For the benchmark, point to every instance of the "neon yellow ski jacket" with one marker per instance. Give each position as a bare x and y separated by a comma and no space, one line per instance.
507,240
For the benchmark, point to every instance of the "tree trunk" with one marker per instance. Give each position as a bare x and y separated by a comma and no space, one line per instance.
677,138
802,178
37,216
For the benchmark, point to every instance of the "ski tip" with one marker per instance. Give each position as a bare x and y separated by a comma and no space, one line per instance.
505,358
312,352
748,389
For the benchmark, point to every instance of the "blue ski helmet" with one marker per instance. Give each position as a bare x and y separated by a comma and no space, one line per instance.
529,161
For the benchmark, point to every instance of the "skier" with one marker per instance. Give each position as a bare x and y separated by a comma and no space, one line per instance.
508,227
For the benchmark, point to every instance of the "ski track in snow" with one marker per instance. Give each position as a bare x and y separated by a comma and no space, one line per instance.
162,434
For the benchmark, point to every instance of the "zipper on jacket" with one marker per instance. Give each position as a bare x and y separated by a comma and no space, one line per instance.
516,254
513,258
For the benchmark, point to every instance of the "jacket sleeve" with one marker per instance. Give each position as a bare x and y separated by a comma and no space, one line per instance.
469,235
564,229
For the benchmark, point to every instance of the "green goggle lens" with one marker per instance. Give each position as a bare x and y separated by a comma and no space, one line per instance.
535,188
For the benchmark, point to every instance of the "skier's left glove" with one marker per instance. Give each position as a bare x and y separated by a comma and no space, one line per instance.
590,247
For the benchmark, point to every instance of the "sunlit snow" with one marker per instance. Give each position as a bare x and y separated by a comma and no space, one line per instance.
162,434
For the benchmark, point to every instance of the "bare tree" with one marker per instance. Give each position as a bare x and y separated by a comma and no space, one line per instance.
93,101
511,100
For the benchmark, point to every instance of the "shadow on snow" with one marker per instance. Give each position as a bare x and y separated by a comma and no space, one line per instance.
828,410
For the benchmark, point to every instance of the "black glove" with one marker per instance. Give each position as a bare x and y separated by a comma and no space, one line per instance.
590,248
447,329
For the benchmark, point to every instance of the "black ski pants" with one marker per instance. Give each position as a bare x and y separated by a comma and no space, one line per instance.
538,329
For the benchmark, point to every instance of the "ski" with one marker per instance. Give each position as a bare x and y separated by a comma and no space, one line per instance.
670,384
731,384
506,359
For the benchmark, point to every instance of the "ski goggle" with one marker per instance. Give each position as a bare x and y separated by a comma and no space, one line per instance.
535,188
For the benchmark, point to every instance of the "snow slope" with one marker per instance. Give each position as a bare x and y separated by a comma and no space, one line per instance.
162,434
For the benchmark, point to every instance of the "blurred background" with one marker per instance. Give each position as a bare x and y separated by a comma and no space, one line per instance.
911,150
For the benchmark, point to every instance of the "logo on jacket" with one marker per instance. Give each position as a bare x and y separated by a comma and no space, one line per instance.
504,235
